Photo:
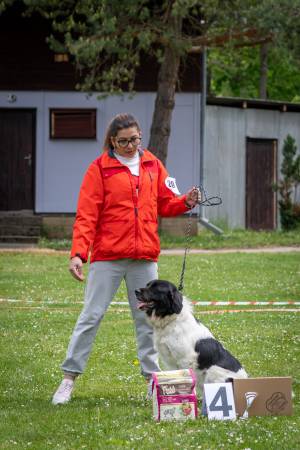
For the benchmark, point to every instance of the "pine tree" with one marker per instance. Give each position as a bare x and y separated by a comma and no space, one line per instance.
287,186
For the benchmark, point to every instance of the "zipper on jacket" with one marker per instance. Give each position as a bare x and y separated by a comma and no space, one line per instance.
151,182
136,211
136,230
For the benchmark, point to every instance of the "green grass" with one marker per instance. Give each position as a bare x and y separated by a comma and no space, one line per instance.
108,410
236,276
235,238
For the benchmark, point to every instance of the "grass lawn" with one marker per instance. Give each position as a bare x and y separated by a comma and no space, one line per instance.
231,238
234,238
108,410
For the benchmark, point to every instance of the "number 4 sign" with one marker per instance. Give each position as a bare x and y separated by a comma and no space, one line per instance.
219,401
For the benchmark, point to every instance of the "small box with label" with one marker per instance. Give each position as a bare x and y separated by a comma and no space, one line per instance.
174,395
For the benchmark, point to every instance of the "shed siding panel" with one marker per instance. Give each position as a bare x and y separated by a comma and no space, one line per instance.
262,124
224,163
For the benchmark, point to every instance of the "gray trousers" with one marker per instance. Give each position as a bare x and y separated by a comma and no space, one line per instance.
103,281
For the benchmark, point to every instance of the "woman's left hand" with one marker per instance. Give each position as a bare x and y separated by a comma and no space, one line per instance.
192,197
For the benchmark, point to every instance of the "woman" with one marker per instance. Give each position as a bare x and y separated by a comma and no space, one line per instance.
122,194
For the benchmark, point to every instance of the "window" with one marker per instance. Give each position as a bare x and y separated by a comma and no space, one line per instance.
72,123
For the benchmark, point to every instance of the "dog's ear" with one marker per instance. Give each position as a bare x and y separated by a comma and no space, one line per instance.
176,301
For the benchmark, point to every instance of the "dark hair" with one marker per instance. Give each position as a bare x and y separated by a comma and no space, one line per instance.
119,122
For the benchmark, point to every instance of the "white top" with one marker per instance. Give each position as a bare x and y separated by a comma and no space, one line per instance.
133,164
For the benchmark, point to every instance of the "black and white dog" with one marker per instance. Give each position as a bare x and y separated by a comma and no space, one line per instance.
181,341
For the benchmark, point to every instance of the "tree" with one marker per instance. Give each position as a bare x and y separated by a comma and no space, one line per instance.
236,73
108,38
287,186
268,70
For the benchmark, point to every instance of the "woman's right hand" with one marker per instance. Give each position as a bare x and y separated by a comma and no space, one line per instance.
75,268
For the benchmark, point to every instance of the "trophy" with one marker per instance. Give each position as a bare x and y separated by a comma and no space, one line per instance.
250,397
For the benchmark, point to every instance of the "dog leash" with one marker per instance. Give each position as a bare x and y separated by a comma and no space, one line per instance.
187,247
207,201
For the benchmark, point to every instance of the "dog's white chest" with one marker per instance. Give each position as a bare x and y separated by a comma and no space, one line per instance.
176,342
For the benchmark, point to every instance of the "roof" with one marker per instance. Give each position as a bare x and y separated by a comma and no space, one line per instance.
247,103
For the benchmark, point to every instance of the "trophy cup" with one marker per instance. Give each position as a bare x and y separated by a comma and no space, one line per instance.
250,397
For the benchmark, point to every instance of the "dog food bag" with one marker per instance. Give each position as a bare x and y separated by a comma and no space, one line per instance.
174,395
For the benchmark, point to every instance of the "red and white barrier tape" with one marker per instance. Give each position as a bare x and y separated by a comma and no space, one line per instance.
195,303
235,303
250,302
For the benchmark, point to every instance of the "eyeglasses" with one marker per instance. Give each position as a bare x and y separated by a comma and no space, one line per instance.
135,140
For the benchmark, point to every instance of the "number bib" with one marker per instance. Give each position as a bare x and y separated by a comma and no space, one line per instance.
171,184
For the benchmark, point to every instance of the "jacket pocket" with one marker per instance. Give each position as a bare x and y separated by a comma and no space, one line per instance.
115,238
150,239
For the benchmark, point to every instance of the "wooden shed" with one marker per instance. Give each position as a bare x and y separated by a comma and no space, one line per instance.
243,155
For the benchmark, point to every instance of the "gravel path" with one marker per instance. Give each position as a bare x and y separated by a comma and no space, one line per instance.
232,250
16,248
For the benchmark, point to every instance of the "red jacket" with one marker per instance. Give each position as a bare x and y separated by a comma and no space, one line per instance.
112,221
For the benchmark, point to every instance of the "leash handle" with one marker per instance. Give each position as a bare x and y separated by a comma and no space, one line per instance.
208,201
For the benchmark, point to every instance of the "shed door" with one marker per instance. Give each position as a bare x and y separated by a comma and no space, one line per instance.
17,141
261,169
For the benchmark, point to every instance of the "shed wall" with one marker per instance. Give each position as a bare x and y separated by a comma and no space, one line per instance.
61,164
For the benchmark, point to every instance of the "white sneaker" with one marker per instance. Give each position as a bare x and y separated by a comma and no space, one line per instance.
64,392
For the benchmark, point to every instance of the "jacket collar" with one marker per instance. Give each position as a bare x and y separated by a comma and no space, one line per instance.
112,155
109,160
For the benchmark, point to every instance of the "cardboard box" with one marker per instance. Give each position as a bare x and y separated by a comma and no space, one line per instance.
174,395
267,396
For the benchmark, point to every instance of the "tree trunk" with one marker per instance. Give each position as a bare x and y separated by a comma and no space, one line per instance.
165,101
263,70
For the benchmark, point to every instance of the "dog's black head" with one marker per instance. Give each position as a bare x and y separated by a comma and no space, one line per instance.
160,298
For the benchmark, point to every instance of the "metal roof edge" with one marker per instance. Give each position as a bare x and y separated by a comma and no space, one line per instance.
247,103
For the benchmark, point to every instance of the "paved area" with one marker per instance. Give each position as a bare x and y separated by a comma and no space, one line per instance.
232,250
11,248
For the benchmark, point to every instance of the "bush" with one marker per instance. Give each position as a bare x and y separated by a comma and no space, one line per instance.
290,169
